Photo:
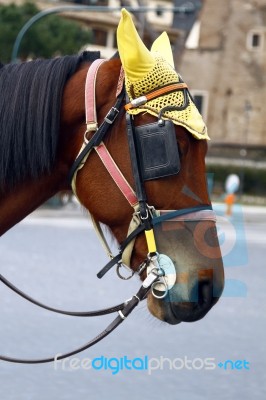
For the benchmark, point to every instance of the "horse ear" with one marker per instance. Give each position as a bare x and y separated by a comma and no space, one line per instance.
136,59
162,46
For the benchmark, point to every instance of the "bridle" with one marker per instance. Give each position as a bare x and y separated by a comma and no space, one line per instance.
144,218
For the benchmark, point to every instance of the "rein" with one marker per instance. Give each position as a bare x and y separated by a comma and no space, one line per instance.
123,311
144,216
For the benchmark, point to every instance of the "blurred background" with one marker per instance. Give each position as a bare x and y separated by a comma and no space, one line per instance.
219,49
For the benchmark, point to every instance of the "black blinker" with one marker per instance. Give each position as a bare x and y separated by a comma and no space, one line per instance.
157,150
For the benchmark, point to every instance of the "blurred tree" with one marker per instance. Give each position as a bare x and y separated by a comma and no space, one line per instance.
50,36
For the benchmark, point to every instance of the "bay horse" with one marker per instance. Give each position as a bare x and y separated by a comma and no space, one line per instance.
42,124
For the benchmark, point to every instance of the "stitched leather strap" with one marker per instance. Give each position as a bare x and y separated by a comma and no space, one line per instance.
97,137
156,93
116,174
90,100
127,308
95,313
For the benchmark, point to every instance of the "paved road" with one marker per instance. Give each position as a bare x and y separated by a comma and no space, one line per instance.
54,257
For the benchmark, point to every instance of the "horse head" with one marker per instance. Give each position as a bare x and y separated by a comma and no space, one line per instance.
188,243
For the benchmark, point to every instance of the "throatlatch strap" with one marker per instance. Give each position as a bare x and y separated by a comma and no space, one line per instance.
127,252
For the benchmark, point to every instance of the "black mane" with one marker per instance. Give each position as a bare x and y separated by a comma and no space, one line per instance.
30,101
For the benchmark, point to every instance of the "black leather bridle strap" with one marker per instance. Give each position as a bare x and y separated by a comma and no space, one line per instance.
99,134
139,185
96,313
126,310
118,257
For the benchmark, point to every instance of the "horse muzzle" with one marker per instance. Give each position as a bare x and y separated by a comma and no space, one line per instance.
194,277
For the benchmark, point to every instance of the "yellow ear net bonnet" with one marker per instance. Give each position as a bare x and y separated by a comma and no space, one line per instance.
146,71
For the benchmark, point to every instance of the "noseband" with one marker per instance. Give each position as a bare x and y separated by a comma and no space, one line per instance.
142,140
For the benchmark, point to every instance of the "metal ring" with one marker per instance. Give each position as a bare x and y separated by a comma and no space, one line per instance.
153,287
158,271
125,278
85,139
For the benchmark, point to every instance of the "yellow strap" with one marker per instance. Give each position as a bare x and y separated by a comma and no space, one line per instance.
150,241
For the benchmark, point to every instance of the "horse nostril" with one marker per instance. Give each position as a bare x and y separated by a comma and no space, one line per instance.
202,293
205,293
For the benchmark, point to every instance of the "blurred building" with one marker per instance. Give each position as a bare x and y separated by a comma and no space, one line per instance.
150,24
224,64
219,49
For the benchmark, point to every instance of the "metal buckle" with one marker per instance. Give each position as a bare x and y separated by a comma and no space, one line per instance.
150,212
111,115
